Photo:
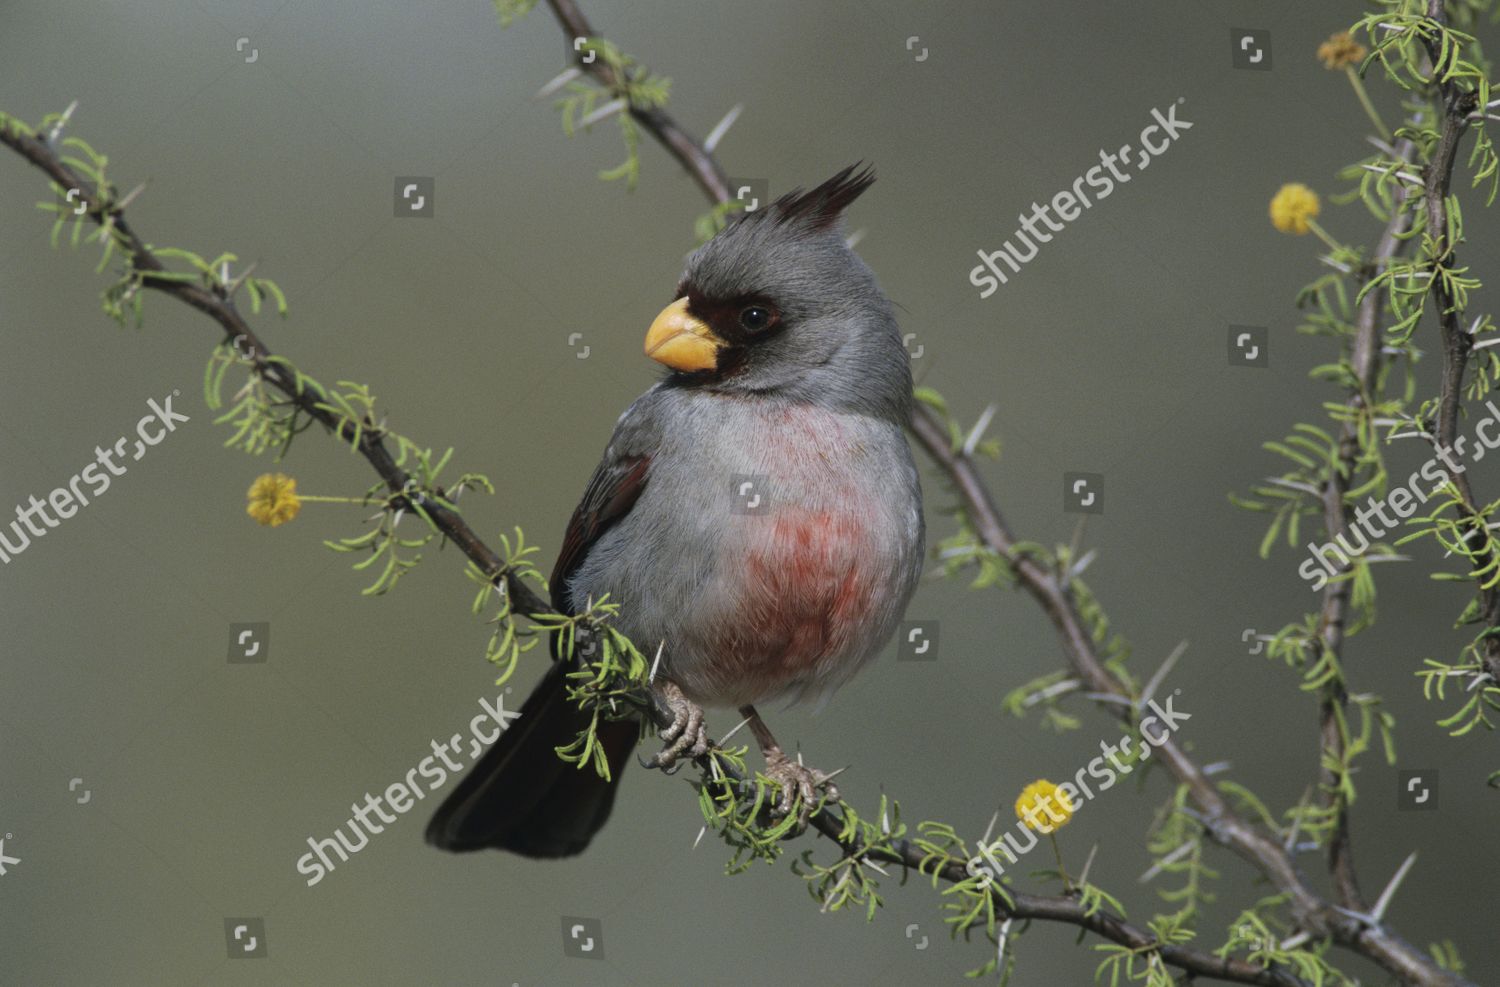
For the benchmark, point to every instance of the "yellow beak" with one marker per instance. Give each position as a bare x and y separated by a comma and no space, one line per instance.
682,342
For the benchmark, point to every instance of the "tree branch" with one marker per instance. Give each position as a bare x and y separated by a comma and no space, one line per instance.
1457,343
1337,518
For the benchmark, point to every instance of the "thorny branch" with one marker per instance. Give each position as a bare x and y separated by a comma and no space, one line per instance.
1337,516
1457,343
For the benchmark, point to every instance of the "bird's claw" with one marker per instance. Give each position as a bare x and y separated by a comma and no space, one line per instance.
800,786
686,738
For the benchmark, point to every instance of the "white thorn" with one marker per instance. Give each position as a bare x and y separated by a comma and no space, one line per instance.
1381,903
1108,697
700,837
1055,689
130,196
1167,861
603,113
1000,946
722,127
985,839
564,77
656,663
1291,839
1149,692
62,122
852,240
977,432
1292,942
1084,877
736,730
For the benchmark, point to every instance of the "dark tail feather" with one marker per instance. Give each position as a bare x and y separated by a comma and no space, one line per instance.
521,796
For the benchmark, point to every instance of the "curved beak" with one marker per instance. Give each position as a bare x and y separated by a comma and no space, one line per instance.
681,341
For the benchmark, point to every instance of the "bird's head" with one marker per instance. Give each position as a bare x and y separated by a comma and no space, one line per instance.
777,304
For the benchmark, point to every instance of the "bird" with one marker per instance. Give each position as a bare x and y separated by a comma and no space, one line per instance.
756,515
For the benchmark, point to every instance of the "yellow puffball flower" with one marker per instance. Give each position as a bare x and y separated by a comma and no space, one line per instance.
273,499
1340,50
1292,207
1044,807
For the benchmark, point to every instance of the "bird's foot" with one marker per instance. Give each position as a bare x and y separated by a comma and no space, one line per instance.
800,786
687,737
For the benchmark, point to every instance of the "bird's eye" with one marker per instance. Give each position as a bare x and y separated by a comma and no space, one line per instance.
756,318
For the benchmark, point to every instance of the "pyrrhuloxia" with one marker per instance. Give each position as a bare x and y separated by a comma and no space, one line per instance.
756,515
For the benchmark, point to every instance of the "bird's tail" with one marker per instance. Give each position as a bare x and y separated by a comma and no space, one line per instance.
521,796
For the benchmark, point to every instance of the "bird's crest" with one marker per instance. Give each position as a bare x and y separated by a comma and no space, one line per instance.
822,207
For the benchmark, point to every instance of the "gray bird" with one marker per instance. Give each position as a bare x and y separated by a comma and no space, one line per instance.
756,516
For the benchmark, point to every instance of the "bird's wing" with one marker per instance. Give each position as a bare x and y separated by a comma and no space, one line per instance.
612,491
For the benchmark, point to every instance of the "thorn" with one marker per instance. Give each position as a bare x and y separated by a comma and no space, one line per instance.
1148,693
564,77
234,286
977,432
1055,689
1218,767
129,197
722,127
62,122
1292,942
700,837
731,733
655,663
1084,877
1078,567
1168,860
1291,839
852,240
1378,912
1000,944
988,830
603,113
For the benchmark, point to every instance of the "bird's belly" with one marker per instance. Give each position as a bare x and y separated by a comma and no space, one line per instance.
799,608
809,585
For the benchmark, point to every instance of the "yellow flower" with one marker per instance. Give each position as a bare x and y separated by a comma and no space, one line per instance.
273,499
1044,807
1293,207
1340,50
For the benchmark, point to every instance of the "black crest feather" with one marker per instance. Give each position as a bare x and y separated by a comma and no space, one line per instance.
821,207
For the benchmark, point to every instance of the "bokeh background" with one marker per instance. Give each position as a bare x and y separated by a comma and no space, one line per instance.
1107,354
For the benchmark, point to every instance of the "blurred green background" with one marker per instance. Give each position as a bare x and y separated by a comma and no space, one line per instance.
1107,354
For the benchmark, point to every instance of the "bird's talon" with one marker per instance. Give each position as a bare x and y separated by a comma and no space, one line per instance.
686,738
799,788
